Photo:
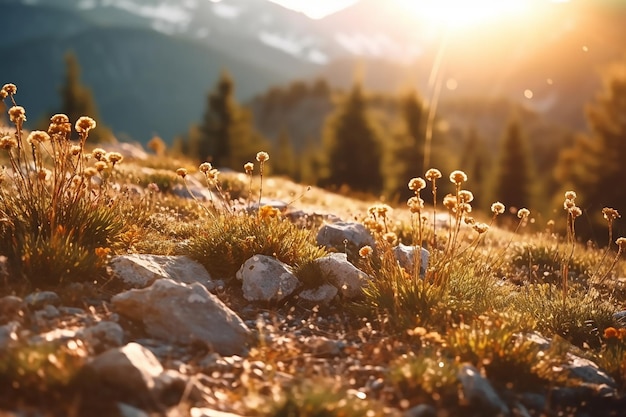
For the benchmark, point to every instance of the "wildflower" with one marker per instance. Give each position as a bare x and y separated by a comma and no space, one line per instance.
37,136
569,204
470,220
59,118
449,202
610,333
416,184
85,124
99,154
415,204
497,208
610,214
481,228
262,156
205,167
266,212
465,208
75,149
365,251
523,213
212,174
570,195
466,196
100,166
17,114
390,237
9,89
433,174
90,172
576,211
621,243
248,167
77,180
114,157
3,94
59,124
457,177
44,174
382,210
7,142
101,252
181,172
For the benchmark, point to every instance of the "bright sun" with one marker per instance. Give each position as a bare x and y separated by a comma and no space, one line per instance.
460,14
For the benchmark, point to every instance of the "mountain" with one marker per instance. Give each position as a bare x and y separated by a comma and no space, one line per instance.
150,63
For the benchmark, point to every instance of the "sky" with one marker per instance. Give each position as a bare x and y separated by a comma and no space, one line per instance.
315,9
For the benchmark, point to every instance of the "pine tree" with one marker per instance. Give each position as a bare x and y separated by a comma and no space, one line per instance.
77,100
284,156
352,146
594,165
513,181
225,136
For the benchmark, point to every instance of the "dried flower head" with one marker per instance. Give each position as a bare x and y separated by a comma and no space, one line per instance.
449,202
262,156
523,213
365,251
550,223
481,228
59,118
248,167
576,211
415,204
465,208
37,137
466,196
610,214
433,174
458,177
3,94
114,158
390,237
621,243
181,172
497,208
570,195
85,124
44,174
470,220
9,89
569,204
8,142
265,212
213,174
99,154
417,184
17,114
382,210
205,167
75,149
90,172
100,166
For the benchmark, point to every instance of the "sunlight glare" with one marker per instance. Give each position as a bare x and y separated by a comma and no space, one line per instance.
459,14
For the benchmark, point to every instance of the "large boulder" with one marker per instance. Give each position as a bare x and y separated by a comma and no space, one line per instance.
265,278
181,313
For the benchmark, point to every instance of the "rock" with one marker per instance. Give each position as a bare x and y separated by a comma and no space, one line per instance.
265,278
589,373
310,219
620,318
40,299
347,278
127,149
479,392
11,309
48,312
8,335
323,294
182,313
131,368
127,410
103,336
209,412
421,410
405,255
171,385
346,237
140,271
321,346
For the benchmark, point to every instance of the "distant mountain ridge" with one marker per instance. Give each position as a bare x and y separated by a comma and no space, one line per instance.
150,63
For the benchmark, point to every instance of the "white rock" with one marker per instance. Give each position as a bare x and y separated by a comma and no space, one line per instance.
323,294
181,313
265,278
140,270
405,255
347,278
345,235
131,367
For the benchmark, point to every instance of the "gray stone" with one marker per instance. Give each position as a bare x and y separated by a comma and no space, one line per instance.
620,318
479,392
265,278
140,271
181,313
323,294
405,255
130,411
11,309
347,278
103,336
41,299
132,368
347,237
8,335
209,412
